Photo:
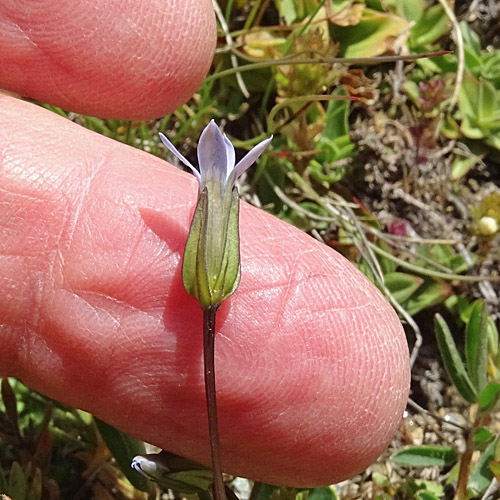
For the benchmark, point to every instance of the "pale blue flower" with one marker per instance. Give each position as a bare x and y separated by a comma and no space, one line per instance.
174,472
211,265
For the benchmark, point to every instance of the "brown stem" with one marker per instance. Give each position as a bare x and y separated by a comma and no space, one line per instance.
463,474
465,461
213,425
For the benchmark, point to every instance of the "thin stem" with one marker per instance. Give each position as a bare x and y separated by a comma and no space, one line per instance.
464,471
465,461
299,100
230,43
327,60
459,40
213,424
429,272
251,16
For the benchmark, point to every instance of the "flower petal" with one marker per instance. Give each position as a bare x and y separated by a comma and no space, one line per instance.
213,155
249,159
230,156
174,151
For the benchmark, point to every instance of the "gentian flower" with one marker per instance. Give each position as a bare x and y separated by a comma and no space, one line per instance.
211,264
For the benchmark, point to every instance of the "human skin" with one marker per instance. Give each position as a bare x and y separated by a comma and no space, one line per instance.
123,59
312,363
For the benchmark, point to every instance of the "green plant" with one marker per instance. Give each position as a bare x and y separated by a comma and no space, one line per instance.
471,376
333,145
479,106
487,216
50,451
417,291
22,484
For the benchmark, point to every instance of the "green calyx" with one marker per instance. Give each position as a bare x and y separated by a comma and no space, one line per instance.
211,264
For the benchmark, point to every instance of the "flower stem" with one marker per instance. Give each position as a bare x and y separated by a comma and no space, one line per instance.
213,425
465,461
464,471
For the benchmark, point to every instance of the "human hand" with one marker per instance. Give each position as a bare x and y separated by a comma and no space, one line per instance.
312,363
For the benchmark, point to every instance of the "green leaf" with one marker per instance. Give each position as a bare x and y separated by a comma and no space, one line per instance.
3,481
443,254
334,143
450,129
413,91
490,67
191,481
17,483
494,140
482,475
465,309
323,493
469,105
495,468
492,337
337,114
365,269
124,448
453,474
488,103
426,456
325,173
35,491
472,49
409,10
303,221
452,361
425,495
458,264
10,404
470,37
387,266
411,488
429,294
372,36
433,24
472,62
288,11
446,63
482,437
402,285
496,451
476,345
489,396
263,491
480,108
461,166
380,479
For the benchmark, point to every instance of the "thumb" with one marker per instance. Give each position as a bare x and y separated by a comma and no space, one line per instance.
312,364
110,58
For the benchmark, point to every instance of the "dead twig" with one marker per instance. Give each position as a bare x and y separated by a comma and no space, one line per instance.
460,52
230,43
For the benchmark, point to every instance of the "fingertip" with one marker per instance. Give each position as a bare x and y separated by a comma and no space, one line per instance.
112,58
313,368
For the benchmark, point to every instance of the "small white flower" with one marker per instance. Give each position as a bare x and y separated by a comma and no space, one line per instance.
488,226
